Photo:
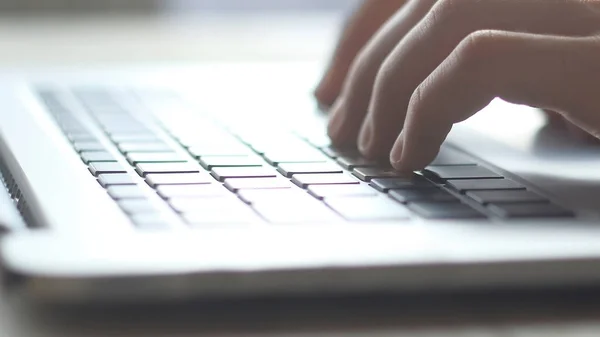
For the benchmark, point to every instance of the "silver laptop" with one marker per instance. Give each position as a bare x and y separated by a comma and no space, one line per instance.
218,181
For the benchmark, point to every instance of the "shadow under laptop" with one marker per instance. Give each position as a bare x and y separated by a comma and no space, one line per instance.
318,316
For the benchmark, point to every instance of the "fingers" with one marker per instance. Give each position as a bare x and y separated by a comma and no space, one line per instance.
349,113
436,36
549,72
369,17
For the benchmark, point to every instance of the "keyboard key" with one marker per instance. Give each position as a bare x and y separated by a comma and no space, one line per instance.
97,156
144,169
214,150
88,146
483,184
137,206
447,210
289,170
221,217
80,137
116,120
191,191
304,209
414,182
123,135
150,221
535,210
369,173
237,161
96,96
312,156
116,179
502,197
327,191
155,180
126,192
335,153
264,195
108,167
461,172
135,158
224,204
121,122
277,143
451,157
222,173
350,163
305,180
256,183
316,140
135,127
145,147
221,211
429,195
71,125
208,135
368,209
135,138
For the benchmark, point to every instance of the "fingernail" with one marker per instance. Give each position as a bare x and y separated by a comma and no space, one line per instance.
323,91
366,137
396,154
336,120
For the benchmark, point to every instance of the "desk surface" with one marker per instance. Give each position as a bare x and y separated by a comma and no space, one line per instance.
541,315
88,39
125,40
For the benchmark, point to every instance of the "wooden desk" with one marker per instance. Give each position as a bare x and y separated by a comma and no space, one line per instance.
126,40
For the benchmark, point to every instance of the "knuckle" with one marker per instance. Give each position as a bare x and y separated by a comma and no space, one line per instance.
419,99
362,65
480,46
416,99
360,78
445,10
385,79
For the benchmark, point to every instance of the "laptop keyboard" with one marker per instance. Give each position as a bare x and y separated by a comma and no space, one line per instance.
154,163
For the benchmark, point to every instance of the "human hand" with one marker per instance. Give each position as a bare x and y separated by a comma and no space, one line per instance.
405,71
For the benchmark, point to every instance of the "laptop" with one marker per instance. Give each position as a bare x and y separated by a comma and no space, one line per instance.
218,181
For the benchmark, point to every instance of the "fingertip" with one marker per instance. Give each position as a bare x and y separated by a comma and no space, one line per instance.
335,127
324,93
406,159
396,155
402,169
365,138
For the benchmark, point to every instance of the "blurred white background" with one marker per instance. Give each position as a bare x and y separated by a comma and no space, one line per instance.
261,4
173,5
100,32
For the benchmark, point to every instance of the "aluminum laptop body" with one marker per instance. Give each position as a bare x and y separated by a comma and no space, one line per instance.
77,241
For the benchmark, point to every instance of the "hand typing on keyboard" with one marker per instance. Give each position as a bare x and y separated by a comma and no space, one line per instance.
406,70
